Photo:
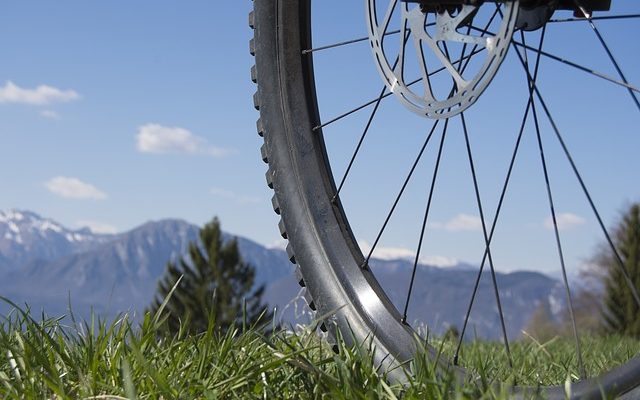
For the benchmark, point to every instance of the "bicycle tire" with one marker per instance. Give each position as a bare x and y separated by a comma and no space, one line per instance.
320,242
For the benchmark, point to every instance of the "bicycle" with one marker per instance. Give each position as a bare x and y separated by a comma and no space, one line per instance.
446,39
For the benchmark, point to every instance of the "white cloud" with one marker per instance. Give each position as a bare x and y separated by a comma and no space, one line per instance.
97,227
158,139
279,244
73,188
439,261
41,95
387,253
461,222
401,253
234,197
49,114
565,221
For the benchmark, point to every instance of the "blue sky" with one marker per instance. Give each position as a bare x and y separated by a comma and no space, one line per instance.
126,69
116,113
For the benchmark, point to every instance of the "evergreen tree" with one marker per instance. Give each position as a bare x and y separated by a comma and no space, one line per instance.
541,325
621,312
216,283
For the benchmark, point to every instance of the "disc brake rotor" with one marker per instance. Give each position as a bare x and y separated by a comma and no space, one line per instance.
428,34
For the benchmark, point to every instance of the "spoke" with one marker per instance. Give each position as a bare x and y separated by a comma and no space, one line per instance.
580,67
352,111
400,63
458,62
486,240
496,216
431,191
346,42
460,69
464,46
583,373
543,160
364,133
424,221
604,17
493,227
565,149
588,70
352,41
357,150
387,17
368,103
404,186
443,57
384,225
422,62
609,53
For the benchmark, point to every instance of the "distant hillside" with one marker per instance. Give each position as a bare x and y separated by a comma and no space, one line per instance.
44,264
25,236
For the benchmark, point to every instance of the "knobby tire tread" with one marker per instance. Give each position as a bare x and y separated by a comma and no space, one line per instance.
346,322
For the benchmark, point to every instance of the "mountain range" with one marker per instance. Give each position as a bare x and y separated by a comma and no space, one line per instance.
48,267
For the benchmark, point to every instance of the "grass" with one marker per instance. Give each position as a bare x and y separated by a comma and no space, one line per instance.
45,359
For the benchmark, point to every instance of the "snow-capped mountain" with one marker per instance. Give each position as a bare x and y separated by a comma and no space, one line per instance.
43,264
25,236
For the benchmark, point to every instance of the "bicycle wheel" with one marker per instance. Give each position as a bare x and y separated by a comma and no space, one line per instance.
330,262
